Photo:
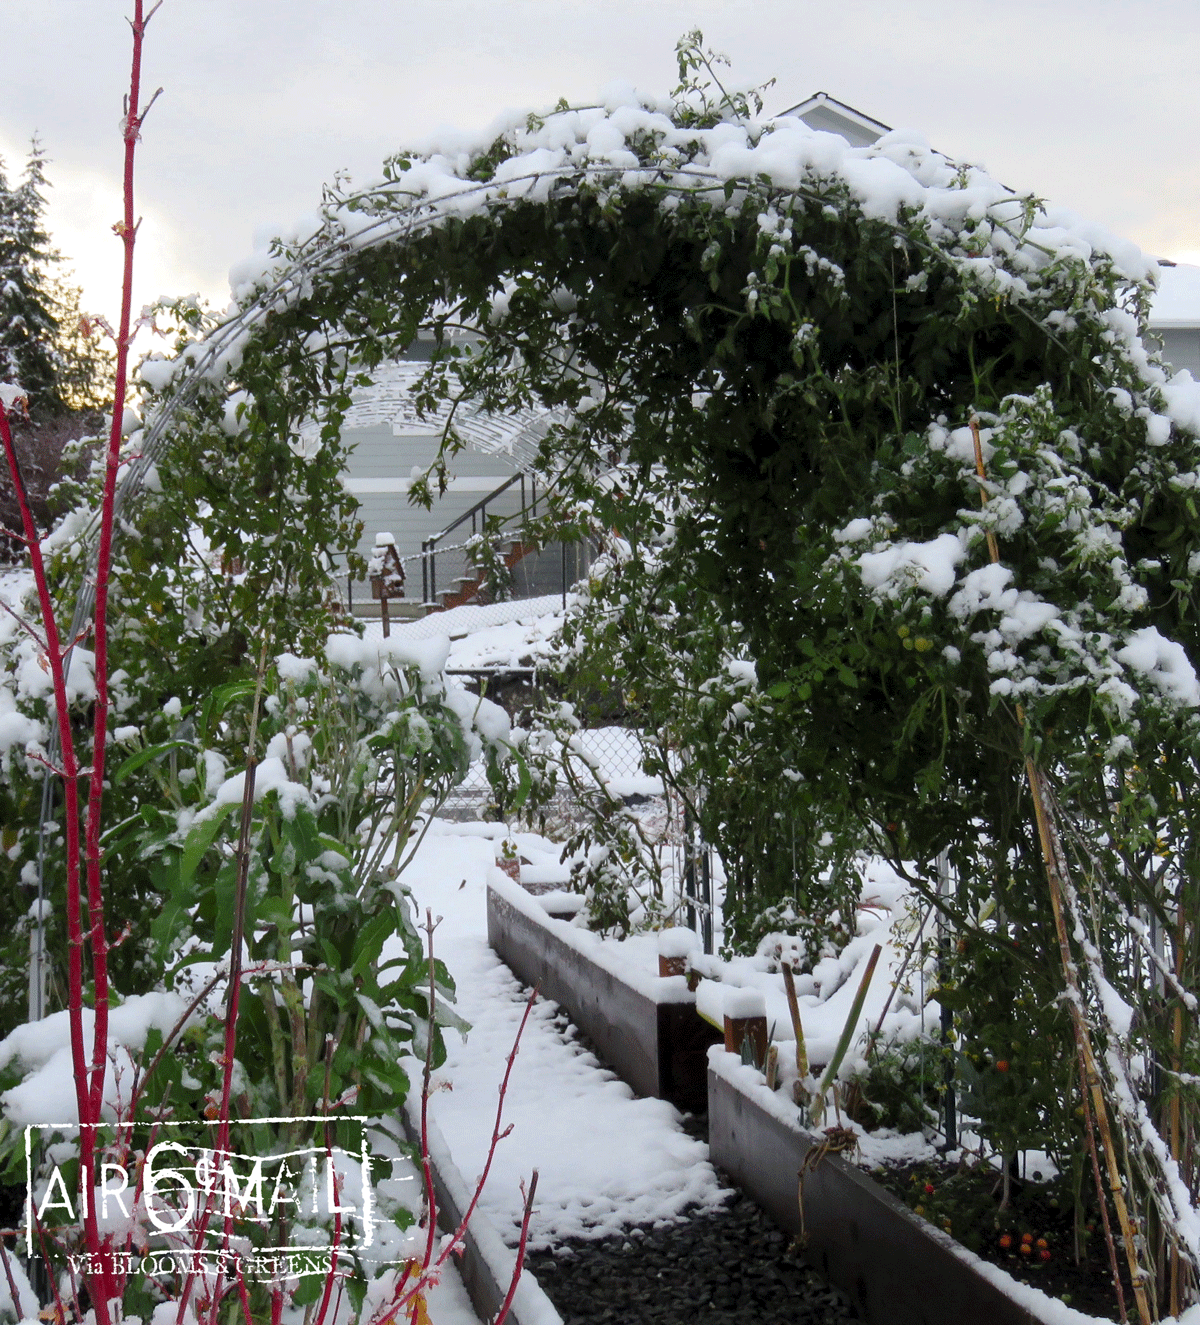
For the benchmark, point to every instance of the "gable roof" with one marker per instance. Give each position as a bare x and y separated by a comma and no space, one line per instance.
828,115
1176,304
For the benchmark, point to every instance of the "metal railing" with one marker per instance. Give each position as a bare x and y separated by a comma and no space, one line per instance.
477,516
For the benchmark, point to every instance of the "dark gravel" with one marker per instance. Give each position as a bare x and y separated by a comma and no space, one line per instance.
731,1265
727,1266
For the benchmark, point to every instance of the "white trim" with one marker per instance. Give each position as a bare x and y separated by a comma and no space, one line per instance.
839,108
362,487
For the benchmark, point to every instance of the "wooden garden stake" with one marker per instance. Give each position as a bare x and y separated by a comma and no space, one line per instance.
1093,1092
843,1043
993,546
789,985
740,1031
1176,1139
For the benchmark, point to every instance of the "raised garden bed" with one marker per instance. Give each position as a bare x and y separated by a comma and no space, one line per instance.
897,1267
1033,1239
646,1029
486,1264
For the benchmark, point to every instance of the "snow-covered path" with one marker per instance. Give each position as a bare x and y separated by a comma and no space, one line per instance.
605,1160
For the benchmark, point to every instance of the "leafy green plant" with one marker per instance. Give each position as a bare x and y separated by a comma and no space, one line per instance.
898,1088
780,363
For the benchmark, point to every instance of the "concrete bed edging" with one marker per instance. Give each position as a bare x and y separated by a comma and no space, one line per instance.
895,1266
486,1264
646,1029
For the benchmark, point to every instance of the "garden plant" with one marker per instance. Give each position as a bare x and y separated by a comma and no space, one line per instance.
901,530
221,824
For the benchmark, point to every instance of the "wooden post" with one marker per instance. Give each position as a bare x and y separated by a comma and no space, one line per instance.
675,947
746,1020
387,576
740,1029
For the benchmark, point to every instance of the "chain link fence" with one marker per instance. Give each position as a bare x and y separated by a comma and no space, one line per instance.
614,757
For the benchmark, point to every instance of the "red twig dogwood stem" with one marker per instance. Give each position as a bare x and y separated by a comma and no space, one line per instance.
83,833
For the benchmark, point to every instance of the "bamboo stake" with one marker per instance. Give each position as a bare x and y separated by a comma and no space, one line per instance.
993,546
1051,857
829,1077
789,985
1055,867
1177,1066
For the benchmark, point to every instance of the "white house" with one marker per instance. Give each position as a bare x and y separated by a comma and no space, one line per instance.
1175,311
391,446
1175,315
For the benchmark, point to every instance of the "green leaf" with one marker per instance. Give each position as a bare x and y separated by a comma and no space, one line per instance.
218,700
140,757
200,838
369,941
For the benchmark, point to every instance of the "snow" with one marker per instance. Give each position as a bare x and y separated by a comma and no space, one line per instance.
553,153
633,960
930,566
43,1048
477,631
1182,395
427,655
637,1166
1163,662
854,532
270,776
988,589
677,942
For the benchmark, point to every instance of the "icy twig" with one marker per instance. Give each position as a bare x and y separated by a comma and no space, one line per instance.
520,1259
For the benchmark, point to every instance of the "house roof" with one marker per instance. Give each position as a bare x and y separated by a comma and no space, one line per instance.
1177,301
825,113
1175,305
389,402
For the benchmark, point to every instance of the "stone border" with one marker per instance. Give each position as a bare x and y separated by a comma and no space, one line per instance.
486,1264
646,1028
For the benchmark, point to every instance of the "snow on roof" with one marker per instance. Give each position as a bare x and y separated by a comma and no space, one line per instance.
389,402
1177,303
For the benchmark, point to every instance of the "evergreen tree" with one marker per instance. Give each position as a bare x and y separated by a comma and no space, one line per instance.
86,358
29,353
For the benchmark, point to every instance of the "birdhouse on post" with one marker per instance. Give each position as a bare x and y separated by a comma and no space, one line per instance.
387,575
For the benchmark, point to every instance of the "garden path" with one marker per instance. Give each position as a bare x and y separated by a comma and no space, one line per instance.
606,1160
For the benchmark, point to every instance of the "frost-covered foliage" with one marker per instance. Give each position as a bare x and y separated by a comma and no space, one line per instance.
358,746
784,340
619,861
354,750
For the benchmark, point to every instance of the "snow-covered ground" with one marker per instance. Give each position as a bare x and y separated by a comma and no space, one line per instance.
605,1160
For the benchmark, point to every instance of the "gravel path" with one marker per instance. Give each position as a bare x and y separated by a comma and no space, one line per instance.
731,1265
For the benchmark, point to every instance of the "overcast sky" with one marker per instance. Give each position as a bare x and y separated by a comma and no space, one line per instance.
1093,103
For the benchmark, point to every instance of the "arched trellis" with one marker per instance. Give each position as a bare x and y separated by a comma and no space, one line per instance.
974,237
